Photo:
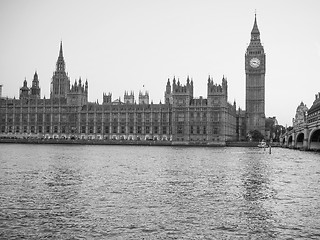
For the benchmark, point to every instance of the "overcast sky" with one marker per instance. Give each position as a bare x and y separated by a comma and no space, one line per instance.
123,45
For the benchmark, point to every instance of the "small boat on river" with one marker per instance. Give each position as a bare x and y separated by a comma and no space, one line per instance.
262,144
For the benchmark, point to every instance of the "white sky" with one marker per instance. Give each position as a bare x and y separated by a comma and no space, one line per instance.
122,45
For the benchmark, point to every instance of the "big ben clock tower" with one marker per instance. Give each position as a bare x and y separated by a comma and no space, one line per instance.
255,61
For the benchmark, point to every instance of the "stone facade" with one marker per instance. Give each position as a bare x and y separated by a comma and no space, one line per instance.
180,119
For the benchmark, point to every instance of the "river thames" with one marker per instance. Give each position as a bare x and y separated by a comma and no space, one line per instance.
132,192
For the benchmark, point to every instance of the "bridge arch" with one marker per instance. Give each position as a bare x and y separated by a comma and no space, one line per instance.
290,141
299,140
314,139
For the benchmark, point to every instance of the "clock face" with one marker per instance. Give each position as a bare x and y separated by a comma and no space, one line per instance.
254,62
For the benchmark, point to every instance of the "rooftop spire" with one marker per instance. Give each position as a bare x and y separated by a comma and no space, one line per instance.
60,62
61,52
255,29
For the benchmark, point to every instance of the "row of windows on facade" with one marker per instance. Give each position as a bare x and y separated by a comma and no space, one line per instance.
313,119
97,115
55,118
114,129
63,129
46,106
254,52
124,112
113,117
314,114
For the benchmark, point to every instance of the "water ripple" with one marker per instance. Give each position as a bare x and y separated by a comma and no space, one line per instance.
121,192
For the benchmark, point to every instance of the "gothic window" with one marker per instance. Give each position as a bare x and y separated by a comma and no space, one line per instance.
106,117
131,129
164,130
83,129
198,129
55,129
40,117
25,129
114,130
180,129
216,117
123,129
48,129
25,118
56,117
204,130
48,117
32,129
64,118
17,118
106,129
156,130
131,117
123,117
139,129
180,117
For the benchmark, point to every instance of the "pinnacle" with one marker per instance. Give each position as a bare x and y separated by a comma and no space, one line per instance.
255,29
61,52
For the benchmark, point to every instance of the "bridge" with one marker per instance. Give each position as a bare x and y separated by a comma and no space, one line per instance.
305,134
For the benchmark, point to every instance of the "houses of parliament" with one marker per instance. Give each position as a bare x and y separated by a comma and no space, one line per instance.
180,119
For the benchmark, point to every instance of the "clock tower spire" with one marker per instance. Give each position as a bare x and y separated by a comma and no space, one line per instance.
255,67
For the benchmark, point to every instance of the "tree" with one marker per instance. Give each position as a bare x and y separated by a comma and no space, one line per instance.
255,135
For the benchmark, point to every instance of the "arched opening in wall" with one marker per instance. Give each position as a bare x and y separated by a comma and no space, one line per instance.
315,140
283,141
300,138
290,141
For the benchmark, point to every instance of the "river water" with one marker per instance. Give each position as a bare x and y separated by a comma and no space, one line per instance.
132,192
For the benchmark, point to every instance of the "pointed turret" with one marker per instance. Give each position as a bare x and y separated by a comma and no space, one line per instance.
24,90
35,89
60,62
255,33
60,83
25,84
61,52
35,76
255,29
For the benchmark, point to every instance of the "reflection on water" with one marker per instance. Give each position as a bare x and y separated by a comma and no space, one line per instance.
121,192
257,191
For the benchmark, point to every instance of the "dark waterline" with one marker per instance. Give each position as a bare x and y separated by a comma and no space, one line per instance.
132,192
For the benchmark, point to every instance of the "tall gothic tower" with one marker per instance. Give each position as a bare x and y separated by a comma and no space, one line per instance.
60,82
255,65
35,89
